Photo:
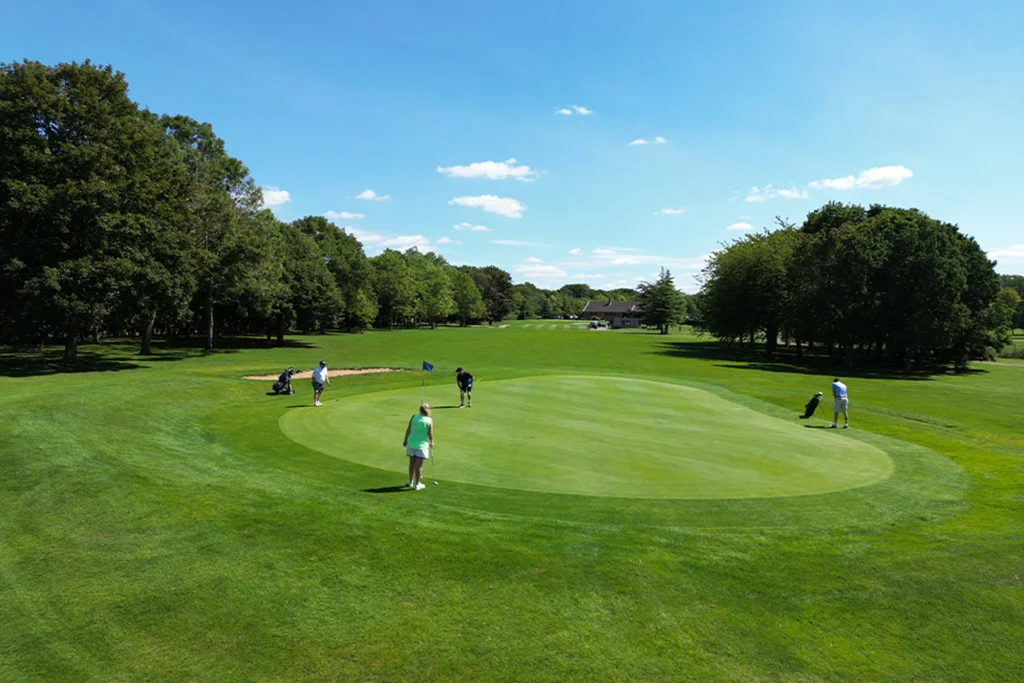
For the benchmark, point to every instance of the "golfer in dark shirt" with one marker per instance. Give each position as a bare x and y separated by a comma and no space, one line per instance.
465,381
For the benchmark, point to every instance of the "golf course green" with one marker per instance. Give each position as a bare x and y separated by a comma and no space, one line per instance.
599,436
616,506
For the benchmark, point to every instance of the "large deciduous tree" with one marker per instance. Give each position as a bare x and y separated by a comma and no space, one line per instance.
84,175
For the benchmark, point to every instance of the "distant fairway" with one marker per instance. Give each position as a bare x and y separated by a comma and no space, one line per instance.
598,436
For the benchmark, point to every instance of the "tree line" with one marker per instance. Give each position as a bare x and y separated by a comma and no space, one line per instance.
115,220
879,282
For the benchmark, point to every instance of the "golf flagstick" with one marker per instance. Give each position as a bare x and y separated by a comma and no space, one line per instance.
424,369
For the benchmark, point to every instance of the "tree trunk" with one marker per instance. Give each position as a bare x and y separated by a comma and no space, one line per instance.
96,334
209,322
147,334
280,330
71,344
799,348
771,341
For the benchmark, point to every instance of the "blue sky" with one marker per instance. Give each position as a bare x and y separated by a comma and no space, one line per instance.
749,110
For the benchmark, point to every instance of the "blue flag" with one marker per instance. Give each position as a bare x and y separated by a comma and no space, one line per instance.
428,367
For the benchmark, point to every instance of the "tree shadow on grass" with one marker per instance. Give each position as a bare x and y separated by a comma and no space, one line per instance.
123,354
786,360
388,489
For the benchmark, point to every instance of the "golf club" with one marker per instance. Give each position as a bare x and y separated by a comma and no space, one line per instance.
433,472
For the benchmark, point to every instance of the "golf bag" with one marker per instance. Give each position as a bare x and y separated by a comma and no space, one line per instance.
283,385
811,406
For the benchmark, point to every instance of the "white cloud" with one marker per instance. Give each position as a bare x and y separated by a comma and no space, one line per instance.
363,236
448,240
1014,251
872,179
517,243
587,276
639,141
660,140
273,196
743,218
373,196
759,195
471,227
344,214
847,183
541,272
602,251
532,259
564,112
503,206
670,212
582,111
403,242
739,226
493,170
575,252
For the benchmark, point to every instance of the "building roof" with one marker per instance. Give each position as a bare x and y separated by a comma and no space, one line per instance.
619,307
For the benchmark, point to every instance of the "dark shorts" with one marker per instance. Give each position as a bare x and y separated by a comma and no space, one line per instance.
318,387
468,386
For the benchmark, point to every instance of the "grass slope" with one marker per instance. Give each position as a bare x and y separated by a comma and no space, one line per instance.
156,524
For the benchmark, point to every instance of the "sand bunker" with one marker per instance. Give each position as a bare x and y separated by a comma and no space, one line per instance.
307,374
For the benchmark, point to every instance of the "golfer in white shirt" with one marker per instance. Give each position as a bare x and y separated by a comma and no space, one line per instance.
319,380
841,404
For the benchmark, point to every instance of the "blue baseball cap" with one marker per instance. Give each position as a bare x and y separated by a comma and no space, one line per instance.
323,362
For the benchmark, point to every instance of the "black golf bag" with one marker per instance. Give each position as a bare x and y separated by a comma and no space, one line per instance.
811,406
283,385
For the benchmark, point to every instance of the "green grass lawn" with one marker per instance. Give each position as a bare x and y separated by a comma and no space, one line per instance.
615,506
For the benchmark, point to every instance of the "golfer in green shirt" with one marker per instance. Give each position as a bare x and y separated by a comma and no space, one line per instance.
419,439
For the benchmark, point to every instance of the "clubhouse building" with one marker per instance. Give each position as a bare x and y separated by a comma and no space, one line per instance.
618,314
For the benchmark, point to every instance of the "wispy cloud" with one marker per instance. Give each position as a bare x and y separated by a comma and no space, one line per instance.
471,227
587,276
535,272
347,215
502,206
1015,251
403,242
670,212
274,197
575,252
574,109
533,259
759,195
644,141
872,179
372,196
739,226
363,236
493,170
448,240
517,243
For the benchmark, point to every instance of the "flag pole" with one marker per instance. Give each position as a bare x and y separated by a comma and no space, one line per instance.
423,383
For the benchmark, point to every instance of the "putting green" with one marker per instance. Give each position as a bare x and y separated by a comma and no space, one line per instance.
597,436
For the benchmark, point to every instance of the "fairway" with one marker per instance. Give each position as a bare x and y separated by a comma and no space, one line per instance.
598,436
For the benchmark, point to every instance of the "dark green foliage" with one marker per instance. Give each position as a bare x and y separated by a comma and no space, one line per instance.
664,305
883,283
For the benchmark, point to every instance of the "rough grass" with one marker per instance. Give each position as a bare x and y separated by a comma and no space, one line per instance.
156,524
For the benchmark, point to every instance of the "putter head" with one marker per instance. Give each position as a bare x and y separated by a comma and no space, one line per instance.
435,483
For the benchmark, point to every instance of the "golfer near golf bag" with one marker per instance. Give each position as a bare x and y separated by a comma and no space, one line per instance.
283,385
811,406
